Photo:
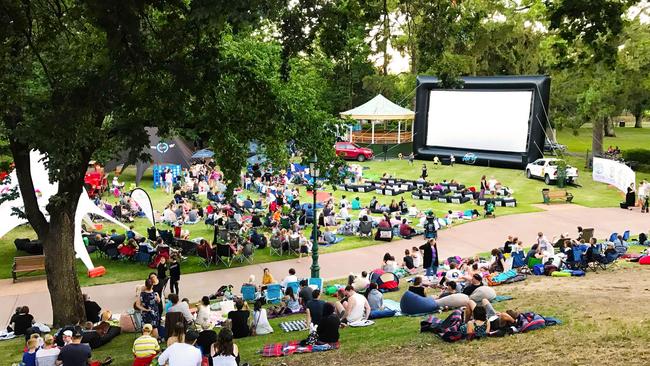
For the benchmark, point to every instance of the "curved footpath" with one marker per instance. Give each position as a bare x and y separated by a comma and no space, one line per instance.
463,240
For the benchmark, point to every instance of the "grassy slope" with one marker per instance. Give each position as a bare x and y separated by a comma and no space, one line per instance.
626,138
602,314
527,193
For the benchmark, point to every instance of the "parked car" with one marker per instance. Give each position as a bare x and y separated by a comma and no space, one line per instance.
348,150
547,169
552,147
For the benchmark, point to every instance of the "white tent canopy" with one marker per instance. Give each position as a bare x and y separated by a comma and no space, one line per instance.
379,109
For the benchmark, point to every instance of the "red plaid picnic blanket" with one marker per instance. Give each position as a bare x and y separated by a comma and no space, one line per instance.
291,347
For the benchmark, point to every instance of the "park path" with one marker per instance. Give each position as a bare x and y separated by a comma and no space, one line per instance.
463,240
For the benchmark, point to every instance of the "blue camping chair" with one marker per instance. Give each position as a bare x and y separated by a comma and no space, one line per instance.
248,293
318,282
626,235
295,286
613,237
273,293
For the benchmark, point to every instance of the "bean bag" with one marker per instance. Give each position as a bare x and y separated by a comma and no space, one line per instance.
483,292
414,304
560,274
645,260
453,301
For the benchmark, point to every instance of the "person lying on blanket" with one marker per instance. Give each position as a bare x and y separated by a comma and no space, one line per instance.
499,323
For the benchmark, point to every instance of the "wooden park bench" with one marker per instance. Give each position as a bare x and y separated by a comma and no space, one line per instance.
557,194
27,264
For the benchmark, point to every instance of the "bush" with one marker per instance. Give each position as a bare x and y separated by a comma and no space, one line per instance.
641,156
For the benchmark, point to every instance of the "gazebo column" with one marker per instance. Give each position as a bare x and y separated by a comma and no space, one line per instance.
351,127
399,132
372,135
412,128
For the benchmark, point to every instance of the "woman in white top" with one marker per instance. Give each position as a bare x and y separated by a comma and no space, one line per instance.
260,320
224,352
389,263
203,313
417,259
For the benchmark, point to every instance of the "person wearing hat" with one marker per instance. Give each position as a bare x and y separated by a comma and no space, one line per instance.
145,347
75,353
182,354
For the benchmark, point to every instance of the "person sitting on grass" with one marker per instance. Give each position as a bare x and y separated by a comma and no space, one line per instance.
180,307
239,319
75,353
145,347
289,305
389,264
224,352
328,329
405,230
478,327
260,320
314,308
47,355
408,260
375,298
329,238
499,263
182,353
357,308
21,321
417,286
361,283
29,356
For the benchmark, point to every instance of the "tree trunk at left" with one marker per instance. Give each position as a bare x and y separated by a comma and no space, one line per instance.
597,137
60,264
609,127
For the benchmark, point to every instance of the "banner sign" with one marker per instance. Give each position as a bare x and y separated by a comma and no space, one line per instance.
612,172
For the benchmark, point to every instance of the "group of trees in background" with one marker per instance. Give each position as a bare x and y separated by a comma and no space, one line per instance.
82,79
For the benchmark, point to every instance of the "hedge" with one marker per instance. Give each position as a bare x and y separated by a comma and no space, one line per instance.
640,157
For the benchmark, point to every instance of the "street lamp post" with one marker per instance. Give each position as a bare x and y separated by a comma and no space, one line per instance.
315,268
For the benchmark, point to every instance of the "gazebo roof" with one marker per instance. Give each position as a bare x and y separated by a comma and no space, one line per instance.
379,108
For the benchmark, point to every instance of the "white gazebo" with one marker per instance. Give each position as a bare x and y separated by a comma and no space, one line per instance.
377,110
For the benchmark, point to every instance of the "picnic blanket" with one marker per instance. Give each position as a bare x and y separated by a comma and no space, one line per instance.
273,316
291,347
500,298
361,323
393,305
293,326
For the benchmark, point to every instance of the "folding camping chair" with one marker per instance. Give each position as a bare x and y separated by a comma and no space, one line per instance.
318,282
247,253
275,246
613,237
273,293
626,235
294,246
295,286
248,293
207,253
224,255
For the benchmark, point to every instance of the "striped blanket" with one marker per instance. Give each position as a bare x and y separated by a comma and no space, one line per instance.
291,347
293,326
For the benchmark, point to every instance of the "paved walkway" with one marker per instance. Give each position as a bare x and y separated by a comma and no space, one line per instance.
463,240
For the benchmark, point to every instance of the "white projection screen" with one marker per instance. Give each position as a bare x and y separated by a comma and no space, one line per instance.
495,120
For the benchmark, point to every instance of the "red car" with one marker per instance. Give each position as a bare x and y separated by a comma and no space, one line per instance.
348,150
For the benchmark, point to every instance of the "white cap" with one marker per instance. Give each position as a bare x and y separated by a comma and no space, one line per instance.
67,333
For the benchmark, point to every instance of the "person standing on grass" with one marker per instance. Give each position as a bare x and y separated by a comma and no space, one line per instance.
430,260
424,174
174,275
411,158
452,160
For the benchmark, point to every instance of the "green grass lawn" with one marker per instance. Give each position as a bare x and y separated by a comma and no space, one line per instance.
527,192
602,313
626,138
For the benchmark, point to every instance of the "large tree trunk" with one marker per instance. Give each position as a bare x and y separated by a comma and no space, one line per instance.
60,264
609,127
57,237
386,38
597,137
638,120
